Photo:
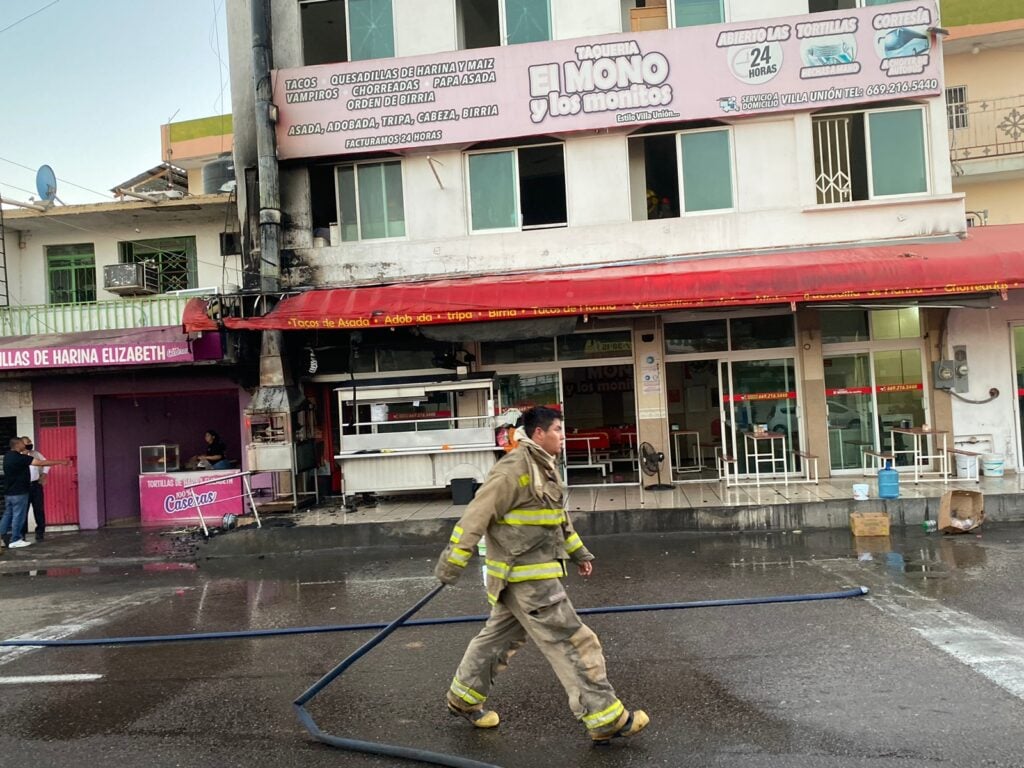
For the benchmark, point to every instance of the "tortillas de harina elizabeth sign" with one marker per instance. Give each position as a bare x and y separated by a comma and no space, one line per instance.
721,71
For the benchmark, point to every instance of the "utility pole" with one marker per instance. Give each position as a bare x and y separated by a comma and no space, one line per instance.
269,257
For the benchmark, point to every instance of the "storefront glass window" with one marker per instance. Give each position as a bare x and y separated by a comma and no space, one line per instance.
696,336
525,390
525,351
405,359
844,326
762,332
591,346
896,323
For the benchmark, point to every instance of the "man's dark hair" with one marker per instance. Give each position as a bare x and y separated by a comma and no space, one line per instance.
14,442
539,416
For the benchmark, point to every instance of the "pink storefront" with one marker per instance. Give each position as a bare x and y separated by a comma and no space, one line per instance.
99,397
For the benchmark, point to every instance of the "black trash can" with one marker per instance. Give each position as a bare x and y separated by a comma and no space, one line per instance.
463,490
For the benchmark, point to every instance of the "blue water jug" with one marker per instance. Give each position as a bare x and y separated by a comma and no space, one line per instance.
888,482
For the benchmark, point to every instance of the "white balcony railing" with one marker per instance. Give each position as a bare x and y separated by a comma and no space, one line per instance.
148,312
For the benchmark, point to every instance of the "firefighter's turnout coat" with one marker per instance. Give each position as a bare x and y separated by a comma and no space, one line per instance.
519,508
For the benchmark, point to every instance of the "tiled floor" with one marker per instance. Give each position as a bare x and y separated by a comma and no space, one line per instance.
682,496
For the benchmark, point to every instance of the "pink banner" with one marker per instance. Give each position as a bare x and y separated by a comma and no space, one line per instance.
91,355
714,71
164,500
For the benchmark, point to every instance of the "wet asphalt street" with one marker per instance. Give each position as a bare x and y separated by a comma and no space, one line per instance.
927,671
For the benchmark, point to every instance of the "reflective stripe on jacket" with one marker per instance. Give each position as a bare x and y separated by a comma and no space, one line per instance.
529,533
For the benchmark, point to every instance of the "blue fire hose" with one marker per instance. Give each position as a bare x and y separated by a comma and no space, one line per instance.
389,750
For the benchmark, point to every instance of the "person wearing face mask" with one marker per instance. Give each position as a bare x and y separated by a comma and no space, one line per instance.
38,477
18,482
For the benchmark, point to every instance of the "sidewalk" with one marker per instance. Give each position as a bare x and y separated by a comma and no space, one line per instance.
700,507
105,548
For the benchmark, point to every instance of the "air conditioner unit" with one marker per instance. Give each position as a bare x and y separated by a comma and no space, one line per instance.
139,279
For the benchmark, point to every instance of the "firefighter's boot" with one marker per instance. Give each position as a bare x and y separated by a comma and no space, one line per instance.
629,724
480,718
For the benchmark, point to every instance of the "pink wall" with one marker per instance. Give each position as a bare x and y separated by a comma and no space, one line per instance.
81,392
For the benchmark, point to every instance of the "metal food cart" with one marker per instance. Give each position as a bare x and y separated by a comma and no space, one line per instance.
415,436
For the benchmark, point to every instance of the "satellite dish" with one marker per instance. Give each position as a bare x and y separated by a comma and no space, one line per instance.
46,183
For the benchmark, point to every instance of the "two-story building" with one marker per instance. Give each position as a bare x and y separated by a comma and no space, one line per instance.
676,221
93,358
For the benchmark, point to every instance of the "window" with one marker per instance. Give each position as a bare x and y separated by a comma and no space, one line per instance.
676,173
866,155
175,259
371,30
854,325
692,13
479,23
371,201
71,273
956,107
517,188
526,21
822,6
486,23
346,30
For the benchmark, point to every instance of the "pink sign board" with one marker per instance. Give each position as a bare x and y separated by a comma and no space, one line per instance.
93,355
721,71
164,499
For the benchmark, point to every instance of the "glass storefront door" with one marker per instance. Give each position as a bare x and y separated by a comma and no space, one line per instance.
851,408
695,418
761,393
867,394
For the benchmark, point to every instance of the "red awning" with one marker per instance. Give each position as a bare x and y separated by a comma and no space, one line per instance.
989,260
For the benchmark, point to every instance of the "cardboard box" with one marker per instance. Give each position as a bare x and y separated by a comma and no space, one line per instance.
960,511
869,523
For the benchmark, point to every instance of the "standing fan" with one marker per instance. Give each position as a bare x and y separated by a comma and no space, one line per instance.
650,463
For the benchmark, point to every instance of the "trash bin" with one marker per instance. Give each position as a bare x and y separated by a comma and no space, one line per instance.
463,489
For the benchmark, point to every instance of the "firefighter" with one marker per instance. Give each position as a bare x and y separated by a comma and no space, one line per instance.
529,538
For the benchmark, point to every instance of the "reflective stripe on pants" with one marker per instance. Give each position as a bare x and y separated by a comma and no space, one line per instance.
541,611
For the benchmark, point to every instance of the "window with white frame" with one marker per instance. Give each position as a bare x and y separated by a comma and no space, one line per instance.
346,30
517,188
485,23
371,205
526,21
870,154
956,107
681,172
693,13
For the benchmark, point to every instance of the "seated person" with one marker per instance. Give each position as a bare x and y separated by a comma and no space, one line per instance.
215,456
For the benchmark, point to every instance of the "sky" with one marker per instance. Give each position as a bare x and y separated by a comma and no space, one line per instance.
88,83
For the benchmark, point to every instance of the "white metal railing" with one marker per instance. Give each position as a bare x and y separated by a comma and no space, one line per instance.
147,312
832,159
986,128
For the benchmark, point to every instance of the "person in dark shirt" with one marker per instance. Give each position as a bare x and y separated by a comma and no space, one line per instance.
18,481
216,451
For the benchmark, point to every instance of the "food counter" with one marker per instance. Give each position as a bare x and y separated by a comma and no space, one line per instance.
416,436
165,499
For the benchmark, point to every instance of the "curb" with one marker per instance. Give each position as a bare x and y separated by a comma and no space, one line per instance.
817,515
